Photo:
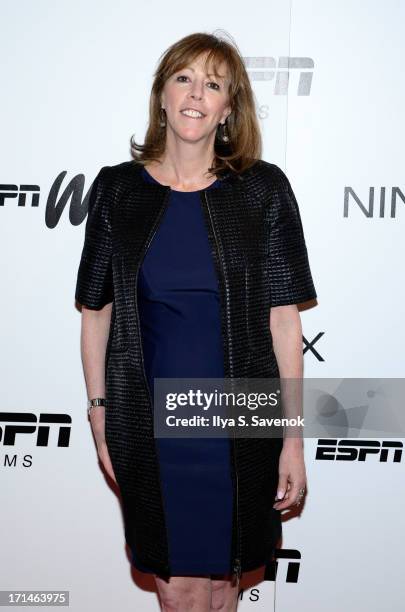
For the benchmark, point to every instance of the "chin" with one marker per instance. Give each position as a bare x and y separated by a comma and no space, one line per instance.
190,136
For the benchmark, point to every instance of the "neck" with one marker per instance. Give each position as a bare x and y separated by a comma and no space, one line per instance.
185,163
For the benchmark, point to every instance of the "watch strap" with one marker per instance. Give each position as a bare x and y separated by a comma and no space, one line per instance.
97,401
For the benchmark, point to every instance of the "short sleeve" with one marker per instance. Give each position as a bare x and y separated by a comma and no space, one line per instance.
290,274
94,286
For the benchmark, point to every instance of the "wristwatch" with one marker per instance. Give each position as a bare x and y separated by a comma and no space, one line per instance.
97,401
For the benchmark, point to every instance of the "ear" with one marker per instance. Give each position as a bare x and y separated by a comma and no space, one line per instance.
226,114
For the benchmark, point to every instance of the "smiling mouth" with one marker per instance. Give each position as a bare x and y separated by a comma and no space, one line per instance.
192,114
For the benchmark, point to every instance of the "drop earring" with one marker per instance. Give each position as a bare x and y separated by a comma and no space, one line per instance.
162,114
224,132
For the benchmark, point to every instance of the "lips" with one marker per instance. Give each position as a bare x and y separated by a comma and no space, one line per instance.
192,114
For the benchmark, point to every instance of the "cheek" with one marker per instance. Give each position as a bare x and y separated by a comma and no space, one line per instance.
216,105
171,96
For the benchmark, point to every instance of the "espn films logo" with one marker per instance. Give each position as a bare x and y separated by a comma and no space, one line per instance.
280,70
383,451
16,428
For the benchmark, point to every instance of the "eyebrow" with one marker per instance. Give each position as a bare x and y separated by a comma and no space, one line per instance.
208,74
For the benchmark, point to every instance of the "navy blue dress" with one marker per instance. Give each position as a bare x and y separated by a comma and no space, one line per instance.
179,313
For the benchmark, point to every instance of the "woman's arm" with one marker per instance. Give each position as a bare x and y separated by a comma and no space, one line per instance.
286,330
291,283
95,327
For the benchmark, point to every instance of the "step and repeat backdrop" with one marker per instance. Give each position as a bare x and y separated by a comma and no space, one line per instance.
76,79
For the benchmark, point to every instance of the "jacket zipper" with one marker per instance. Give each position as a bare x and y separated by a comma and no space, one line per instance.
236,564
143,253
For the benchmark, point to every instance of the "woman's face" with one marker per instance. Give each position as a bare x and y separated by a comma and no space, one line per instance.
191,89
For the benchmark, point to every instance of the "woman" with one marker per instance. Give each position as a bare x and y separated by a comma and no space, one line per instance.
193,263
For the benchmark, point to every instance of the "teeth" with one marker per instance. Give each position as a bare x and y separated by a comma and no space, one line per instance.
191,113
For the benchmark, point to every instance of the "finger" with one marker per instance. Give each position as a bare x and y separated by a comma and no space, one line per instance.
282,486
110,470
112,476
283,505
286,502
107,465
291,497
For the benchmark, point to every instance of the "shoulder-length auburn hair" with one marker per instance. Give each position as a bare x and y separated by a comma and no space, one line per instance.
244,146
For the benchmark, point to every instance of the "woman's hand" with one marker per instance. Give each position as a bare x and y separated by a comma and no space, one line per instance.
97,420
292,476
104,457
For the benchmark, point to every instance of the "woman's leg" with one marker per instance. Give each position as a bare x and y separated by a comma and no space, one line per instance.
184,593
224,594
197,594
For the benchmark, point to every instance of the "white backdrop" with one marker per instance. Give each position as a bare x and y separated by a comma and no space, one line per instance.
76,78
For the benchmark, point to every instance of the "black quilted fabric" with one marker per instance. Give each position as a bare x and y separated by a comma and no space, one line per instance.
258,247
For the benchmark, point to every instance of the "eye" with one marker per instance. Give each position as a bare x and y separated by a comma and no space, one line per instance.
180,78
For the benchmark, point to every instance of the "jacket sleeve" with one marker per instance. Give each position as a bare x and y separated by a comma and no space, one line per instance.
94,286
290,274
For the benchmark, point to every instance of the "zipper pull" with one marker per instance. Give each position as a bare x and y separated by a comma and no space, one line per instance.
237,569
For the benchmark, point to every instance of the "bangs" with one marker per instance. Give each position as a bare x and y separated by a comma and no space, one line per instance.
217,62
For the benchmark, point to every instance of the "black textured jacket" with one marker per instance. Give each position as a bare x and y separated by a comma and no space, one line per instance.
259,251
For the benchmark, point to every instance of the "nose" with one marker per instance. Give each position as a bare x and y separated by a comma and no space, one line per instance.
197,90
